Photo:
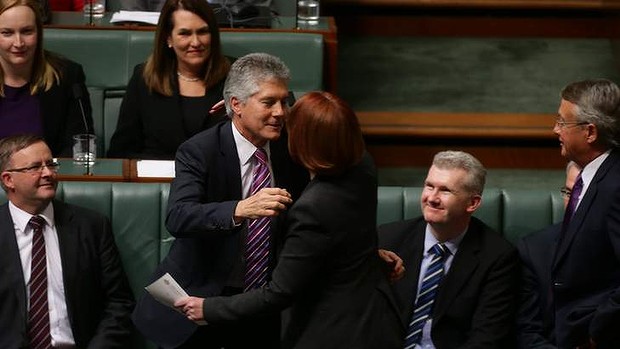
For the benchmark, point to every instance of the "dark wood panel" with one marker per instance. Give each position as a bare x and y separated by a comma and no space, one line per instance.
499,140
473,21
458,125
492,156
512,4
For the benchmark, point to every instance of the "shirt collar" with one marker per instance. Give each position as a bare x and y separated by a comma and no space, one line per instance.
430,240
245,148
588,172
21,217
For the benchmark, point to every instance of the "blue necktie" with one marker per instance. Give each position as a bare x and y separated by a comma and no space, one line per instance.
426,297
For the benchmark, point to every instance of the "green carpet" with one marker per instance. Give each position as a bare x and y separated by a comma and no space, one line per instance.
466,74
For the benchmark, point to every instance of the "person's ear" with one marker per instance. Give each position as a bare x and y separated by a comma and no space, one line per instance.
236,106
7,180
474,203
592,133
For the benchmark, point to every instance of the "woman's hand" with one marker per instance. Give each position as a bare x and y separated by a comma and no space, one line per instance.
217,107
394,263
191,307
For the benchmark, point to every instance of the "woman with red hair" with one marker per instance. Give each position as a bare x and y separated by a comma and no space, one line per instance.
328,277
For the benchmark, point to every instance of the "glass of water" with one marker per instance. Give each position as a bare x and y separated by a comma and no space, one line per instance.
308,11
97,6
84,149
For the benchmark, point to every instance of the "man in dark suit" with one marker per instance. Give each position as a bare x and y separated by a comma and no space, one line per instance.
585,270
535,321
62,284
211,205
475,282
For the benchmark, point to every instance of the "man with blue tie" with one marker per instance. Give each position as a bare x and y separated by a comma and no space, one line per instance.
585,269
460,289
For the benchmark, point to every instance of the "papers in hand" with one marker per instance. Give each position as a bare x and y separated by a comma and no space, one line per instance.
155,168
135,16
167,290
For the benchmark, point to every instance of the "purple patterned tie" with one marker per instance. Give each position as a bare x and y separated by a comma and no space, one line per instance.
38,314
257,246
572,202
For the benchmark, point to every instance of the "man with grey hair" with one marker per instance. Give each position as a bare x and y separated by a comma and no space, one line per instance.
460,289
216,205
585,269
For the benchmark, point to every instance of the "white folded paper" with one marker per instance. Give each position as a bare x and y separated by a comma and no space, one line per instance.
135,16
155,168
167,291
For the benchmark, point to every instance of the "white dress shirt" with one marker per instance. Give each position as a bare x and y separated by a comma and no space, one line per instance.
247,162
60,328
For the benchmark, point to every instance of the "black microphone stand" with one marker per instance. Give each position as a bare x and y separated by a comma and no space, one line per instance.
77,91
90,16
297,14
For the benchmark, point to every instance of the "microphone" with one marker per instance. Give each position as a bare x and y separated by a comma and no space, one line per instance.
79,95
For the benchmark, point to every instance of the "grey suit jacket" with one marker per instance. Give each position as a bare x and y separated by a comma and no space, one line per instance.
476,301
99,300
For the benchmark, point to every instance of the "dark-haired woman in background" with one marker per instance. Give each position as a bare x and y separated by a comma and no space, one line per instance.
37,87
328,273
169,98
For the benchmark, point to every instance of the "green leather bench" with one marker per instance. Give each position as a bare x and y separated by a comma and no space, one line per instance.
137,212
109,56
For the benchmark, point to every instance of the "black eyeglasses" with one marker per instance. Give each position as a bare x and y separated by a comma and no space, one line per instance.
51,165
565,192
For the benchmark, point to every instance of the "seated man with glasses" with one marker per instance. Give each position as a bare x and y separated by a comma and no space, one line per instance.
535,323
62,283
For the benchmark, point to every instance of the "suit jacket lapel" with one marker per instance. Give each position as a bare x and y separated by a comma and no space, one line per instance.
69,244
12,273
463,265
411,251
229,158
565,241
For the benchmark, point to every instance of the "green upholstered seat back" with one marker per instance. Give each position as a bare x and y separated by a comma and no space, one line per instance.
109,57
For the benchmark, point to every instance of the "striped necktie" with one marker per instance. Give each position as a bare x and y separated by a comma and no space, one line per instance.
38,314
426,296
258,239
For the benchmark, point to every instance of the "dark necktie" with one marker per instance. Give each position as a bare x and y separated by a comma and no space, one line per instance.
38,314
572,202
426,296
257,246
